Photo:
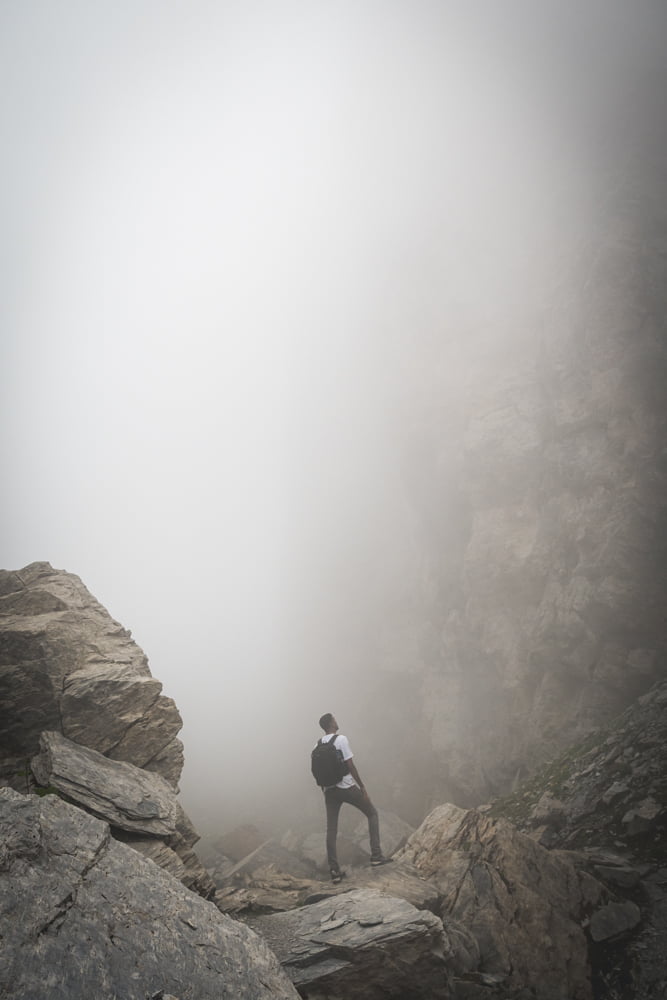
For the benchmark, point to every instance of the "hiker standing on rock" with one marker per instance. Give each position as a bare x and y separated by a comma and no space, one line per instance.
336,773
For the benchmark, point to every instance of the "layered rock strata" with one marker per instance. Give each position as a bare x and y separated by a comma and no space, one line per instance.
140,806
82,915
609,792
78,700
605,800
530,606
66,665
524,905
361,945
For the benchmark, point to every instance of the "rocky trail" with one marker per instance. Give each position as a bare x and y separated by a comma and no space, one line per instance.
555,892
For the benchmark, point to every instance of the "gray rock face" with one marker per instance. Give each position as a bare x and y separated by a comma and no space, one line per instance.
614,919
122,794
612,817
138,804
612,791
268,887
68,670
531,592
524,905
82,916
66,665
361,945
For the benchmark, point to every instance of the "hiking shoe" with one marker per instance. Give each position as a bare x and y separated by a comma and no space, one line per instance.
337,875
380,861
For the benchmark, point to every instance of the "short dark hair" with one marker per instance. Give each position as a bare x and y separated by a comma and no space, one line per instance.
325,721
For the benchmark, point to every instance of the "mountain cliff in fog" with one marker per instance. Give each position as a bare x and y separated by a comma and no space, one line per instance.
83,714
532,609
574,858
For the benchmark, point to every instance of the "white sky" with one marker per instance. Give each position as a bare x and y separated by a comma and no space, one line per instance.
232,232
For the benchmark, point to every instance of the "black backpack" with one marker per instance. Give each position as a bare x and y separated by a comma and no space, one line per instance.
327,764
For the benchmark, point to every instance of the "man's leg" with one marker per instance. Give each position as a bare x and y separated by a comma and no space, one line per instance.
357,798
333,803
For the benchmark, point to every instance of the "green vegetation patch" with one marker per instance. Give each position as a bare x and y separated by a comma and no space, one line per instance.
554,777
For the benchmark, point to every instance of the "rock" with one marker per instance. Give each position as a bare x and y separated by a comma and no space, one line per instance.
544,835
175,857
617,790
613,793
533,588
312,848
239,842
548,811
69,670
613,920
402,880
619,876
610,786
68,666
124,795
465,949
82,915
278,858
271,887
361,945
643,818
130,799
265,891
523,904
158,851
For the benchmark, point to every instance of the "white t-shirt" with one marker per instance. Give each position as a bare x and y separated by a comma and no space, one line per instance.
342,744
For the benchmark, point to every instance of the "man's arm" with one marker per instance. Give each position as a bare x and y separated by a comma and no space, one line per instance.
355,774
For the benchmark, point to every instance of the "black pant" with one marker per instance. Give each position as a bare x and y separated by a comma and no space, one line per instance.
334,798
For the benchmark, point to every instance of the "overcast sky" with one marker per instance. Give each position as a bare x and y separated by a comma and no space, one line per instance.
233,235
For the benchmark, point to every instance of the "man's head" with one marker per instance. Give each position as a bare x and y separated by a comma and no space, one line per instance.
328,723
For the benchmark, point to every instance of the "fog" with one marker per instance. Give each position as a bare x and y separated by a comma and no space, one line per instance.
245,245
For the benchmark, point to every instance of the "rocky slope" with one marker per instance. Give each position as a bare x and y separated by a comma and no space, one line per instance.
67,665
83,716
90,763
557,623
556,892
82,915
606,801
530,608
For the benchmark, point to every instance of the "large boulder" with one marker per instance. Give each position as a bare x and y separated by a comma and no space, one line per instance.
524,905
269,887
362,945
605,801
609,791
82,915
65,664
126,796
139,805
75,687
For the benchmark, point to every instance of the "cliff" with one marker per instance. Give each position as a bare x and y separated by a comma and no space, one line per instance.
558,890
529,610
81,710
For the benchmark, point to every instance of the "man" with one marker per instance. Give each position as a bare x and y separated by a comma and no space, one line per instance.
349,789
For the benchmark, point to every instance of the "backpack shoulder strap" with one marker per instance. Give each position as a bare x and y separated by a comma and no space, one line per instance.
332,741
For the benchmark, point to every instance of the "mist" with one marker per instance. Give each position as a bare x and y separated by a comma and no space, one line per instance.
247,249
